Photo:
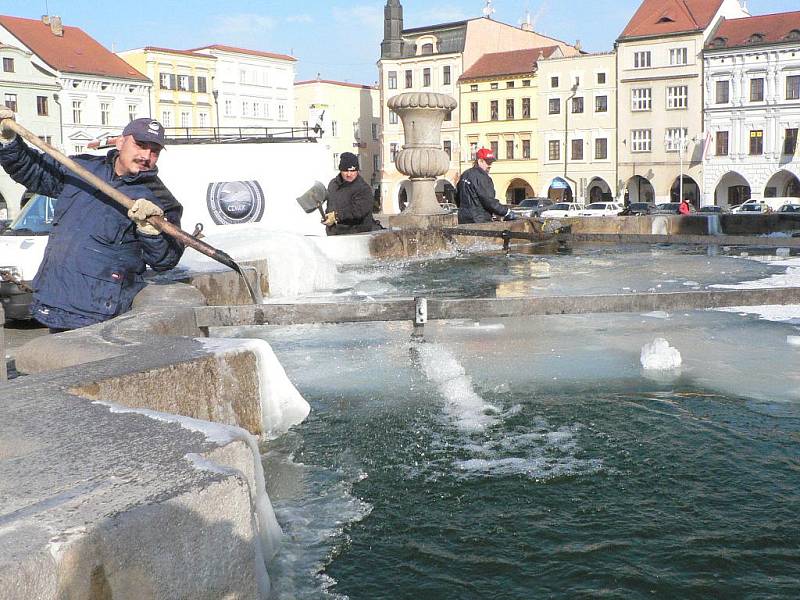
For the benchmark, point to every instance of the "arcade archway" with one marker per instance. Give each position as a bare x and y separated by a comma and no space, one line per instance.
518,190
732,190
599,191
691,191
560,190
782,183
639,189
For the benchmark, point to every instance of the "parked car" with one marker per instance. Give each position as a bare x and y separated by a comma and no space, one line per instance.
560,210
751,209
789,208
4,223
771,203
638,208
713,209
532,207
601,209
668,208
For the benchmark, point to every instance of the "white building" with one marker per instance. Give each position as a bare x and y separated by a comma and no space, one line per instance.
752,109
99,93
252,88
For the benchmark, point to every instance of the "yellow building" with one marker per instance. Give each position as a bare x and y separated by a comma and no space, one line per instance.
349,117
499,110
183,85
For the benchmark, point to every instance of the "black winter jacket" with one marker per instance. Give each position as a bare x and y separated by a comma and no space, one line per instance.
95,257
476,201
352,203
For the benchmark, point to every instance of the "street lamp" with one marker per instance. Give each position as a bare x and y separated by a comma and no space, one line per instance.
567,108
215,93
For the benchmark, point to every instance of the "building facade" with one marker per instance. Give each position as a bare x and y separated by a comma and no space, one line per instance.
752,109
499,110
181,95
577,122
660,97
348,115
432,59
98,95
253,88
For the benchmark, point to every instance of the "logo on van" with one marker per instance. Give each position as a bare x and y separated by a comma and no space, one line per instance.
235,202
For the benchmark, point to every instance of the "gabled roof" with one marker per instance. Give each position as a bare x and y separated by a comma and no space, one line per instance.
74,52
659,17
513,62
172,51
763,29
333,82
223,48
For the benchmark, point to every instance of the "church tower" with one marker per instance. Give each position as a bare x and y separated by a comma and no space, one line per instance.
392,45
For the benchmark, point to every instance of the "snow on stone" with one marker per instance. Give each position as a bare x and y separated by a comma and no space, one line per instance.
658,355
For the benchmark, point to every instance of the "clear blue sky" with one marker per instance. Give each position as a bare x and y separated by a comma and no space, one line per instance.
338,39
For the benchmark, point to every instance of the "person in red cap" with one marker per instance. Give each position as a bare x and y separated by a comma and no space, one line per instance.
475,189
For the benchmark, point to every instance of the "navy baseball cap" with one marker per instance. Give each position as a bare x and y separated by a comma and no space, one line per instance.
145,130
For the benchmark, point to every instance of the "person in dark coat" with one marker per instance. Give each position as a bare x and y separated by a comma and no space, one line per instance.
97,250
475,189
350,199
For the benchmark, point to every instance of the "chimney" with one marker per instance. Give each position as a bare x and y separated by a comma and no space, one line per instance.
56,27
578,45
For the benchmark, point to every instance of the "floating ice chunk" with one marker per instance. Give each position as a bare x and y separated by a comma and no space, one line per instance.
657,314
691,283
660,356
783,252
793,340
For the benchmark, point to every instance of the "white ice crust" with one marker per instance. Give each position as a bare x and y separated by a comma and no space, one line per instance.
658,355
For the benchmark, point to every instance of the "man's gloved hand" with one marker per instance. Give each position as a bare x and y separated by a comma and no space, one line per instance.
329,220
510,216
6,135
139,212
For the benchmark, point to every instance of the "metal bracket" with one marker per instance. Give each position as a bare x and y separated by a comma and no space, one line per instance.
420,316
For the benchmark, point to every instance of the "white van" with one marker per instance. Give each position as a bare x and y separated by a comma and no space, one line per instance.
219,185
772,204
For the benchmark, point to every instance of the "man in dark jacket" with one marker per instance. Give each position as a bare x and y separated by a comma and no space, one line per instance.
97,251
349,206
476,201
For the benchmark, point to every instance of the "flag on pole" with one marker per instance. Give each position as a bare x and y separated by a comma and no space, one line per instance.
706,145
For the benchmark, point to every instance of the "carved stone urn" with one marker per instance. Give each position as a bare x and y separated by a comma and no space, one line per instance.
422,158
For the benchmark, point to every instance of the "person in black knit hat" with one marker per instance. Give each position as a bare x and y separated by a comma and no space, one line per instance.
349,205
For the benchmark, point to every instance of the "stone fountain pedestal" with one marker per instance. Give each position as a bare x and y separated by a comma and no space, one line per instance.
422,158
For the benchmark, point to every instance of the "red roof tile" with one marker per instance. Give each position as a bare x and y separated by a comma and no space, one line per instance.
514,62
763,29
659,17
74,52
224,48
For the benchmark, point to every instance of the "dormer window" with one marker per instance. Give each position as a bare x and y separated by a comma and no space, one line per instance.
666,18
719,42
756,38
427,49
793,35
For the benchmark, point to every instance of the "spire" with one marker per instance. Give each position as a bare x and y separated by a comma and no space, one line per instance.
392,45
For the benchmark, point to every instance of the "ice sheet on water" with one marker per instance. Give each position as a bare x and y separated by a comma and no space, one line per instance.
658,355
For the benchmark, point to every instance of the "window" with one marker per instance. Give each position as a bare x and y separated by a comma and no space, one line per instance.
641,140
448,116
757,90
577,105
493,86
336,160
494,111
11,101
41,106
105,113
473,87
677,96
722,95
577,149
675,138
374,131
554,106
8,65
526,108
473,111
601,104
79,148
392,80
509,150
166,118
201,85
228,108
393,151
163,81
447,146
473,150
641,60
376,163
427,49
334,128
426,78
554,150
409,78
526,149
793,87
641,99
445,75
790,142
185,119
393,118
601,148
242,76
601,78
722,143
185,83
245,108
678,56
526,83
495,147
509,84
77,110
282,112
510,109
202,119
757,141
554,82
133,111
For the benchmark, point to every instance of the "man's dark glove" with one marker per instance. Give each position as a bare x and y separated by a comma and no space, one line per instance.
510,216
